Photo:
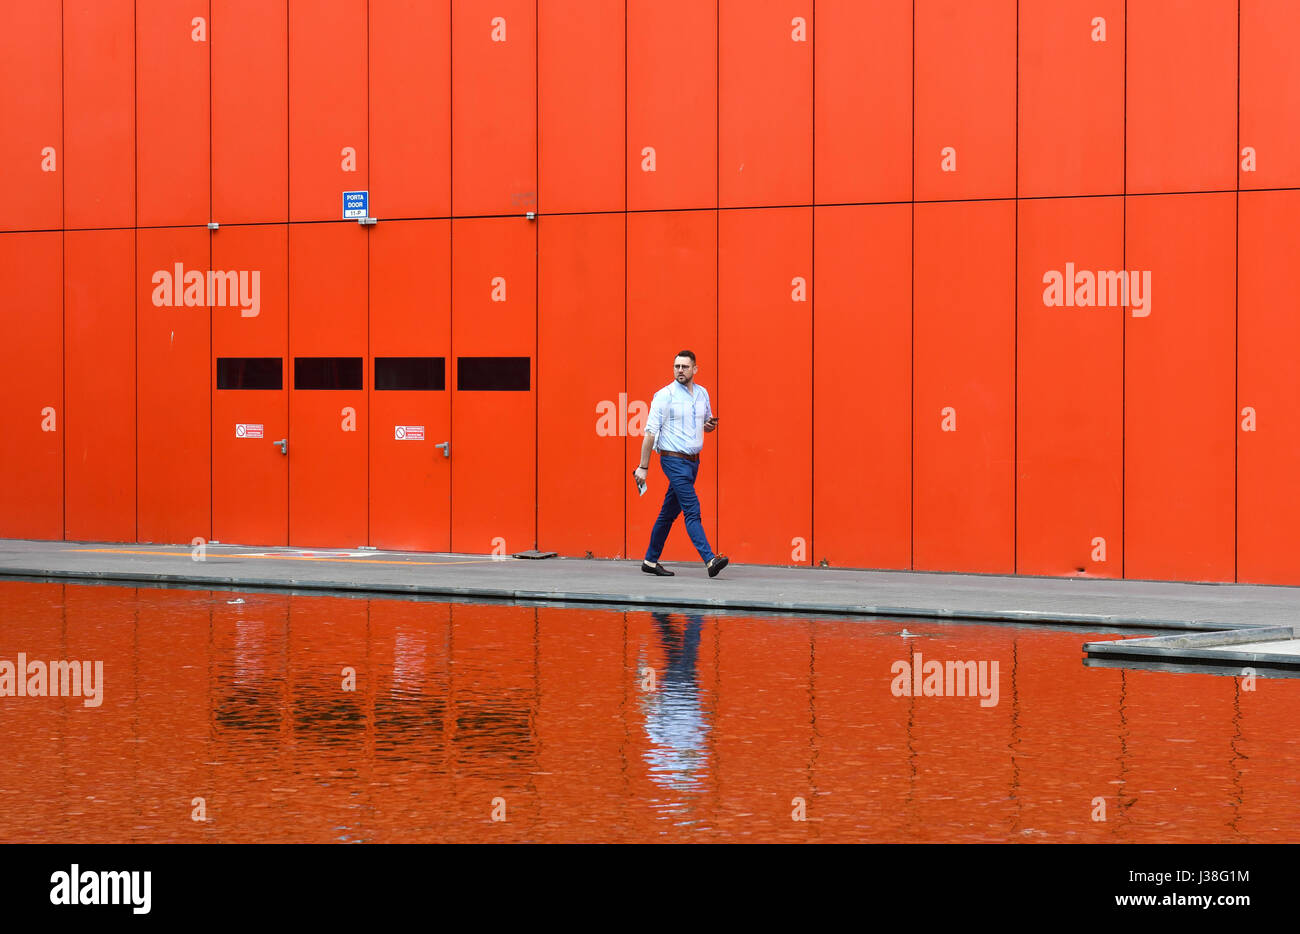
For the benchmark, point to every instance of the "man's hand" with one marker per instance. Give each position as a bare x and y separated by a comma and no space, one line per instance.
712,423
639,473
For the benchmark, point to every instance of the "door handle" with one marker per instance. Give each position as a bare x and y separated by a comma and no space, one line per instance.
283,444
446,448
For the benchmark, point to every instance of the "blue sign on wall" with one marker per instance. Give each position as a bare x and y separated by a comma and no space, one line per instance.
356,204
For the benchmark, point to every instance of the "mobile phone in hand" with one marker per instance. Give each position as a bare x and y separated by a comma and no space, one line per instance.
640,485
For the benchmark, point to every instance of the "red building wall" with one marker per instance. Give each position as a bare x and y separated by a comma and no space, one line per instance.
860,216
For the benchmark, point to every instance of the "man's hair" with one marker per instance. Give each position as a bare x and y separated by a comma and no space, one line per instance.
686,353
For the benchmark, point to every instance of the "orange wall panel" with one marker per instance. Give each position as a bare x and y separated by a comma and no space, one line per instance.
250,111
250,475
672,303
100,366
672,104
1270,93
173,161
99,113
1071,93
494,433
31,49
32,420
1182,91
765,100
1268,382
863,82
328,467
410,108
328,428
263,249
494,107
1178,390
582,408
963,423
581,104
173,401
410,316
862,386
965,99
763,395
1069,389
327,289
328,149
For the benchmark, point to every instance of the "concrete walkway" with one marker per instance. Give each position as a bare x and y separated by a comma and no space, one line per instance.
1091,602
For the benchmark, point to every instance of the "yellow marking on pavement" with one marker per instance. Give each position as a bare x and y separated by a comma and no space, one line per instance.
186,554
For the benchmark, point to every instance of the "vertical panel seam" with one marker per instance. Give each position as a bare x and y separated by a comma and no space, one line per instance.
1236,329
627,385
135,245
63,284
1123,321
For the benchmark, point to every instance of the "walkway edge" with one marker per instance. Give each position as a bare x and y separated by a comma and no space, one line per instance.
213,582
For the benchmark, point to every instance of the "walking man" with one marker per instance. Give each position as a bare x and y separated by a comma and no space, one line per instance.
679,415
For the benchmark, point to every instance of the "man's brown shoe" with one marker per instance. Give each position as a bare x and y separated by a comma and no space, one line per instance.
657,569
717,564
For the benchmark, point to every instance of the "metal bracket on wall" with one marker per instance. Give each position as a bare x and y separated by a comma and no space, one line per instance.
367,221
213,225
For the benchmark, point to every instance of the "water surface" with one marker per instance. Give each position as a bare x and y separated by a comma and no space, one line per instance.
579,724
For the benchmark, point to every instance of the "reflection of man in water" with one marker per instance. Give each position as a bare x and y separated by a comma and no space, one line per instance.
674,720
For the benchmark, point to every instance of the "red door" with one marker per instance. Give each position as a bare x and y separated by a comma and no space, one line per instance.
494,450
328,464
410,402
250,475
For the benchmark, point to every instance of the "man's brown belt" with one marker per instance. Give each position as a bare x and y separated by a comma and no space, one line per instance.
685,457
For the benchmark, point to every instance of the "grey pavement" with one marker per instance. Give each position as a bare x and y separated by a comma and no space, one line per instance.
1117,603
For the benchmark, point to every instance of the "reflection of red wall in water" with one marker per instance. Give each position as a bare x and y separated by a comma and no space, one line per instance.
860,198
241,704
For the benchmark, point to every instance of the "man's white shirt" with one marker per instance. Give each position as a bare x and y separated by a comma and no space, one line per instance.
677,417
